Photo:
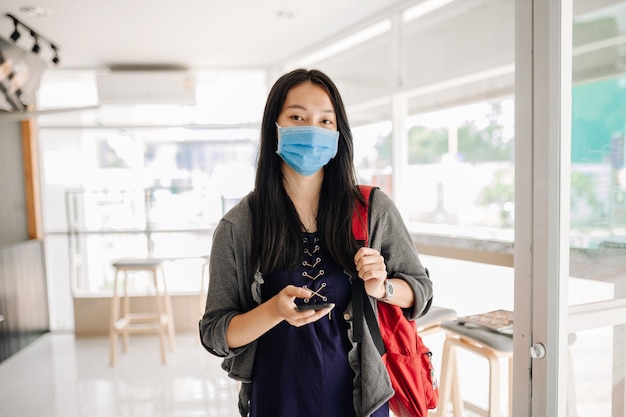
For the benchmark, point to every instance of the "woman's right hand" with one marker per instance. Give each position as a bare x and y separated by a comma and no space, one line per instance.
247,327
286,307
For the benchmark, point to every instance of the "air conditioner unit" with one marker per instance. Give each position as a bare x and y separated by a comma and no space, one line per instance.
147,87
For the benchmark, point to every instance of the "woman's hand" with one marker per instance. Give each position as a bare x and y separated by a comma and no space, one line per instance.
286,307
371,268
247,327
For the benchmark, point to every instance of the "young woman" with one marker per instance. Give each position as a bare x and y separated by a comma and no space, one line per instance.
289,244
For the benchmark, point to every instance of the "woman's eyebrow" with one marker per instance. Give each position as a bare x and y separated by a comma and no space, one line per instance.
301,107
296,106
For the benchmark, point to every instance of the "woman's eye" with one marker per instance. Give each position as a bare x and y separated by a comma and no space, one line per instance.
296,117
327,122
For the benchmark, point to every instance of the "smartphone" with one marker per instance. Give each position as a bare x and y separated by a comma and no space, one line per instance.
314,306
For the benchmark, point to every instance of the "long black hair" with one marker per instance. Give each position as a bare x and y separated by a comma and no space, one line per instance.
276,232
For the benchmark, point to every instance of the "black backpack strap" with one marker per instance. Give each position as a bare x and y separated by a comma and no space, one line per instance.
357,310
372,323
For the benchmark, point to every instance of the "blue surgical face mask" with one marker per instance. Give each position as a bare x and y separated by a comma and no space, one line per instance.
306,149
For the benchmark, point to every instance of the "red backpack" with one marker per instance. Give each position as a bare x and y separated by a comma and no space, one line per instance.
407,360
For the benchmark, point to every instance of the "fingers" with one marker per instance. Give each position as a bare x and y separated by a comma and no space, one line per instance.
371,268
301,318
370,264
287,307
295,292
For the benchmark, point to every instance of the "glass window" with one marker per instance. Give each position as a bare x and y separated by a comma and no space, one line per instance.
372,155
114,186
461,160
597,286
458,175
598,177
457,53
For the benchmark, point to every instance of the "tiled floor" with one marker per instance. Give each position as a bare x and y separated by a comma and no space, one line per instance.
59,375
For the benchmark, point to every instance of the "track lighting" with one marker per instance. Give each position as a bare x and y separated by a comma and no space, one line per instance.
38,39
16,33
36,47
55,58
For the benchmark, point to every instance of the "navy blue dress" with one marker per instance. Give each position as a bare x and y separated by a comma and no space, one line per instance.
304,371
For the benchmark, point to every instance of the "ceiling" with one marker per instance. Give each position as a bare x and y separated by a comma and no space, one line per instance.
267,34
188,33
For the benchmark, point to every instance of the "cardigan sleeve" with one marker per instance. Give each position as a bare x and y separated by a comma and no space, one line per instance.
223,300
231,278
390,236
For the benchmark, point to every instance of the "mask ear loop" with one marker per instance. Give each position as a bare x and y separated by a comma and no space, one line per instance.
278,139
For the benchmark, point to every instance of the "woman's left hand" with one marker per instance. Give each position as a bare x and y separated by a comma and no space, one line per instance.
371,268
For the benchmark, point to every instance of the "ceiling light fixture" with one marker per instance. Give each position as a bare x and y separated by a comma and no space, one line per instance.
36,47
16,33
345,43
37,38
55,58
423,8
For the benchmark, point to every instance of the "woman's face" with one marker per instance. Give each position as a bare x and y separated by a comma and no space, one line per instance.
308,104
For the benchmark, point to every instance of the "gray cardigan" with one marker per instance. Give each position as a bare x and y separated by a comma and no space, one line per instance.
235,288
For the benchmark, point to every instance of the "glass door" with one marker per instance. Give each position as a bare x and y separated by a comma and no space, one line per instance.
570,246
597,227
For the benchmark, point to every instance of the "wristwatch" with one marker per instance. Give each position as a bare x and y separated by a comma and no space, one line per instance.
388,291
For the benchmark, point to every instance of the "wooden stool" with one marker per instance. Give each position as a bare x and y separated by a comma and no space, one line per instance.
159,321
489,344
204,285
430,322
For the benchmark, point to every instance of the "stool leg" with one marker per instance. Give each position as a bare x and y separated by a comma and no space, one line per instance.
494,385
158,297
455,388
168,313
125,311
446,377
202,297
571,388
115,306
510,360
